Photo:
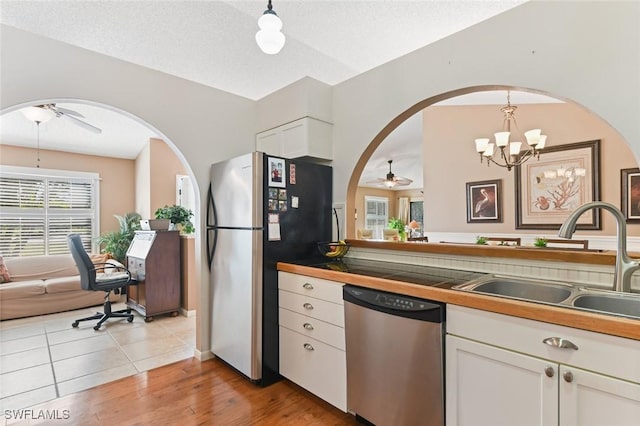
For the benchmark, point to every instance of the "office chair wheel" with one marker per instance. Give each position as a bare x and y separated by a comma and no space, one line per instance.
130,318
97,327
74,324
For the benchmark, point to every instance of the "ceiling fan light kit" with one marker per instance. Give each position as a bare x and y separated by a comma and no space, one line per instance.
391,180
511,153
270,39
43,113
37,114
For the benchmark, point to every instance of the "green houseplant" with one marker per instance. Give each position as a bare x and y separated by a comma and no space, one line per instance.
540,242
395,223
178,215
117,243
481,240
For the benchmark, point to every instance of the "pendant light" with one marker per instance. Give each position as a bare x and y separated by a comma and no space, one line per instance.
270,39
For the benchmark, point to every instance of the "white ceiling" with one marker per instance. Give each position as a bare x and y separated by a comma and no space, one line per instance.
212,43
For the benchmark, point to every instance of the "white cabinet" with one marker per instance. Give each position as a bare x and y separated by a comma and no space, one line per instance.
305,137
500,372
312,346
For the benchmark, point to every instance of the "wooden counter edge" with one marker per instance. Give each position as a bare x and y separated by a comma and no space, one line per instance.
600,323
593,257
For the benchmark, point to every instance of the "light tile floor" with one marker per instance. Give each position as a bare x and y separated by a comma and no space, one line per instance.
43,358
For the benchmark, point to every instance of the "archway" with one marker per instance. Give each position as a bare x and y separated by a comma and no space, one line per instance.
467,158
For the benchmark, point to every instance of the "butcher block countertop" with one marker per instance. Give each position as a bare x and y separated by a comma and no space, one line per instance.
410,280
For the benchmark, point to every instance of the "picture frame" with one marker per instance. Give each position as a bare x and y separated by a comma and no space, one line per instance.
484,201
630,194
277,173
548,189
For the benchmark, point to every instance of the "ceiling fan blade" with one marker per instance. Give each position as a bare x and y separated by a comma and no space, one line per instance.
68,112
81,123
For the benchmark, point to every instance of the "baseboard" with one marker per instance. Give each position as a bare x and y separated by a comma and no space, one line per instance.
187,313
203,356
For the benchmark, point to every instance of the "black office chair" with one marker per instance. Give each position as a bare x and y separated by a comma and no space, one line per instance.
91,280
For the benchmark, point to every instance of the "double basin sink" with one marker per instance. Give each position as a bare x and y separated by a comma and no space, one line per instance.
556,293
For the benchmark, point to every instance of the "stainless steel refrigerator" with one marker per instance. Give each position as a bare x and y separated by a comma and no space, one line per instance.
261,210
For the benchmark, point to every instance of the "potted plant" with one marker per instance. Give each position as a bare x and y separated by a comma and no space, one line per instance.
540,242
395,223
481,240
178,215
117,243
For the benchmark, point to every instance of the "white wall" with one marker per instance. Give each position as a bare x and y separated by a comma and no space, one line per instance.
587,52
206,125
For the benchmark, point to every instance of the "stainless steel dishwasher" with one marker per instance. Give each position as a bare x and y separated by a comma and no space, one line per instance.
394,348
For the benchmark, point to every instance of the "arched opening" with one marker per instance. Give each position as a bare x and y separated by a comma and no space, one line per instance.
157,339
450,161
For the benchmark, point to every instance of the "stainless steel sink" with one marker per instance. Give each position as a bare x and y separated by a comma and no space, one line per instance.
531,290
557,293
618,304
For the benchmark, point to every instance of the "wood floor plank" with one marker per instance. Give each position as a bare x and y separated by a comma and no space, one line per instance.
191,392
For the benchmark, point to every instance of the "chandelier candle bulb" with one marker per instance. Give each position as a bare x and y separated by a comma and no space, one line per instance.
502,139
514,148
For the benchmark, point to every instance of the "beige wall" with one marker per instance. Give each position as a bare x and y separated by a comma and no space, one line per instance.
165,165
143,182
451,160
117,193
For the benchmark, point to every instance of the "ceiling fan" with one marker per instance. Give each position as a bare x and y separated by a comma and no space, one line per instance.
391,180
42,113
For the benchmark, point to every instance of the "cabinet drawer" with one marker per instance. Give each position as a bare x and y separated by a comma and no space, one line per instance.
309,286
309,306
314,328
610,355
319,368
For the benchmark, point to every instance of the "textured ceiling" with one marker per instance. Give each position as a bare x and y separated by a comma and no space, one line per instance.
212,43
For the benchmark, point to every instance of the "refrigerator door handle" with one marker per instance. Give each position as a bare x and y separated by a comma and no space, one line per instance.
212,214
212,242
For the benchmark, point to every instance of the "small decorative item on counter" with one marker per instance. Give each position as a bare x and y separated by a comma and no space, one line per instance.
334,249
540,242
481,240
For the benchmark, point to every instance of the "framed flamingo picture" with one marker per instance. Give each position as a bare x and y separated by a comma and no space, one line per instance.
630,194
484,201
548,189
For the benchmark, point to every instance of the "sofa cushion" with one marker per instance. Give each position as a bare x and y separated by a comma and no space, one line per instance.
4,272
41,267
21,289
59,285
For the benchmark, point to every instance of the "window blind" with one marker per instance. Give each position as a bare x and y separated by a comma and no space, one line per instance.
37,212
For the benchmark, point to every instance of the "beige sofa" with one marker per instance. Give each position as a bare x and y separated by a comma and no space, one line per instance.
43,285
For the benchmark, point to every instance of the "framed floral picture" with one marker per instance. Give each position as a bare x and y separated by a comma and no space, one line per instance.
551,187
484,201
630,194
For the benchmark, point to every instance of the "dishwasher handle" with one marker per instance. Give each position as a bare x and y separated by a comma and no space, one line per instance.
394,304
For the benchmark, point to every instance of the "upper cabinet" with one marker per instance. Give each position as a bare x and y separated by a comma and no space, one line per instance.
305,137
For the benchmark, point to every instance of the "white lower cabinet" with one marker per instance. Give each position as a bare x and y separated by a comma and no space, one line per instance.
491,380
312,355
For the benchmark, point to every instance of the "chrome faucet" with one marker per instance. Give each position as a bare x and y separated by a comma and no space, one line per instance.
625,266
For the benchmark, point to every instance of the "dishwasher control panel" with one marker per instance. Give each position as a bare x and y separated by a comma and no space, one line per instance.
390,300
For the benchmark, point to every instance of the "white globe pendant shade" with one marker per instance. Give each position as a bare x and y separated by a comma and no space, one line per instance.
270,39
37,114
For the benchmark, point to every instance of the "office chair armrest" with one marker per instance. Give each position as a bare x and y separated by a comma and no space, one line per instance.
107,265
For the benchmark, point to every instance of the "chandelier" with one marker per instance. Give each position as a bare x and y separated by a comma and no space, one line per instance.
511,153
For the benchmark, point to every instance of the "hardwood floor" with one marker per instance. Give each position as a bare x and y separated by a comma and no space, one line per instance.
191,392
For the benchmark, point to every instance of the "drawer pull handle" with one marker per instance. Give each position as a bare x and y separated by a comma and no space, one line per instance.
568,376
308,286
549,371
307,326
559,342
308,306
308,346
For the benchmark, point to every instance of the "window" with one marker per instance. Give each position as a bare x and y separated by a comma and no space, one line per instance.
377,215
416,212
39,207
